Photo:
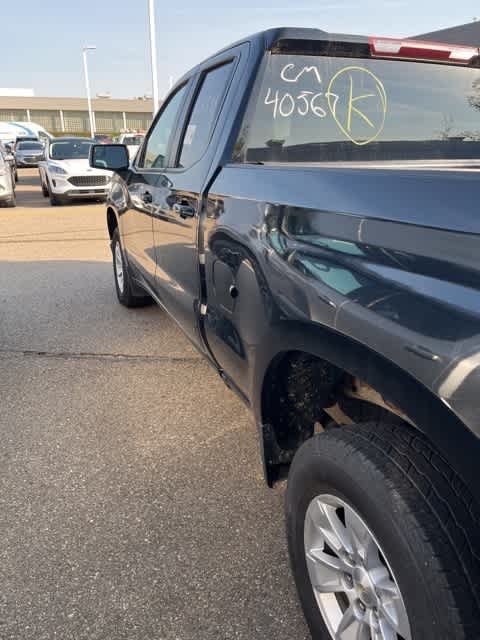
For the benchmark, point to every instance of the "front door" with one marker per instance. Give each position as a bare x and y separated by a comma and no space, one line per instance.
143,182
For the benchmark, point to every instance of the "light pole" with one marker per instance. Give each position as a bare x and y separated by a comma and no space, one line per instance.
87,85
153,54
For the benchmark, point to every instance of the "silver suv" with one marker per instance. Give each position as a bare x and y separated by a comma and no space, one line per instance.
28,153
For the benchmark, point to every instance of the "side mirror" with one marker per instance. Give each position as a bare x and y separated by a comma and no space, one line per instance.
9,157
113,157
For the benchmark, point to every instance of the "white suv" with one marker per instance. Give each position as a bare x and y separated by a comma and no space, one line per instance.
66,175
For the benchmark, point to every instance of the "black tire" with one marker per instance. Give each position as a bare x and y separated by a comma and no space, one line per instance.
9,202
422,516
131,295
44,190
16,175
56,201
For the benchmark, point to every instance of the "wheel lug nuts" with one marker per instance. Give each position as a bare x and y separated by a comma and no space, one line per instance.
348,580
361,606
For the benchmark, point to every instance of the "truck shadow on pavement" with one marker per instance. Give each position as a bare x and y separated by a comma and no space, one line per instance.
133,504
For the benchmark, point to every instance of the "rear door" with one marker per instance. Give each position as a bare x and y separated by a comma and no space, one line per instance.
143,182
178,198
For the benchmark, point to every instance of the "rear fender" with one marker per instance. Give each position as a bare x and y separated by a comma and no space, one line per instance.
428,413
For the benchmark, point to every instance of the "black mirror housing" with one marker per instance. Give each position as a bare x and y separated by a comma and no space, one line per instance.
113,157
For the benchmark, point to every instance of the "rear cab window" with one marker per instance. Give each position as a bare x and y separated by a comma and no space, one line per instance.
317,108
201,121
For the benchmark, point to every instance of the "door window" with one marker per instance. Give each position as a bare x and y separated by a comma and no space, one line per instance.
155,154
204,113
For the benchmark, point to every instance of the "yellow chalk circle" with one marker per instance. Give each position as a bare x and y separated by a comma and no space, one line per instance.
353,121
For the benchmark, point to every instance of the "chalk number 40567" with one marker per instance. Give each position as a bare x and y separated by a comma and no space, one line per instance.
285,104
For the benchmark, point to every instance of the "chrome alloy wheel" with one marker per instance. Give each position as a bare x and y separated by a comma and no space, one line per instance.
119,267
355,589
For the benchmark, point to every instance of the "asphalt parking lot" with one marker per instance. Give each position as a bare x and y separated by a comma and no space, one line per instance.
131,491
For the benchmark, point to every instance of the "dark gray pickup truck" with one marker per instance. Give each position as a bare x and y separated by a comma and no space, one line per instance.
306,207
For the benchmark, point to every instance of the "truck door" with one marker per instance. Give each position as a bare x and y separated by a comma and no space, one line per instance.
144,181
178,196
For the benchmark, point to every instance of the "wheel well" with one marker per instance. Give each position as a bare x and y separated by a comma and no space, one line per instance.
303,394
112,222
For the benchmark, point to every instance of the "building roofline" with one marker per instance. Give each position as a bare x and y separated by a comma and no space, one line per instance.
75,104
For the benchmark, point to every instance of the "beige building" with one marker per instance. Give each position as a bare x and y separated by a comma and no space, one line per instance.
70,115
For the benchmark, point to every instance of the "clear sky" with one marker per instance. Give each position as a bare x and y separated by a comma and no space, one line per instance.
41,41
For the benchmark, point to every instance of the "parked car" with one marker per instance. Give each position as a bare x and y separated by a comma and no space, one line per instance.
9,157
305,206
132,142
65,174
29,153
11,131
102,138
7,183
26,138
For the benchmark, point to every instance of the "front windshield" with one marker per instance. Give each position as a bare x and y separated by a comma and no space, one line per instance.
133,140
30,146
70,149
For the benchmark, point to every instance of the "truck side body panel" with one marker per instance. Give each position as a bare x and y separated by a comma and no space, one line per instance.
386,258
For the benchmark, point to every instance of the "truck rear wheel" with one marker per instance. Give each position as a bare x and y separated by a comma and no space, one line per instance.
383,538
128,293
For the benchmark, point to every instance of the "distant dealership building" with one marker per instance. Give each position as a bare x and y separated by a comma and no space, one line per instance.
70,115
